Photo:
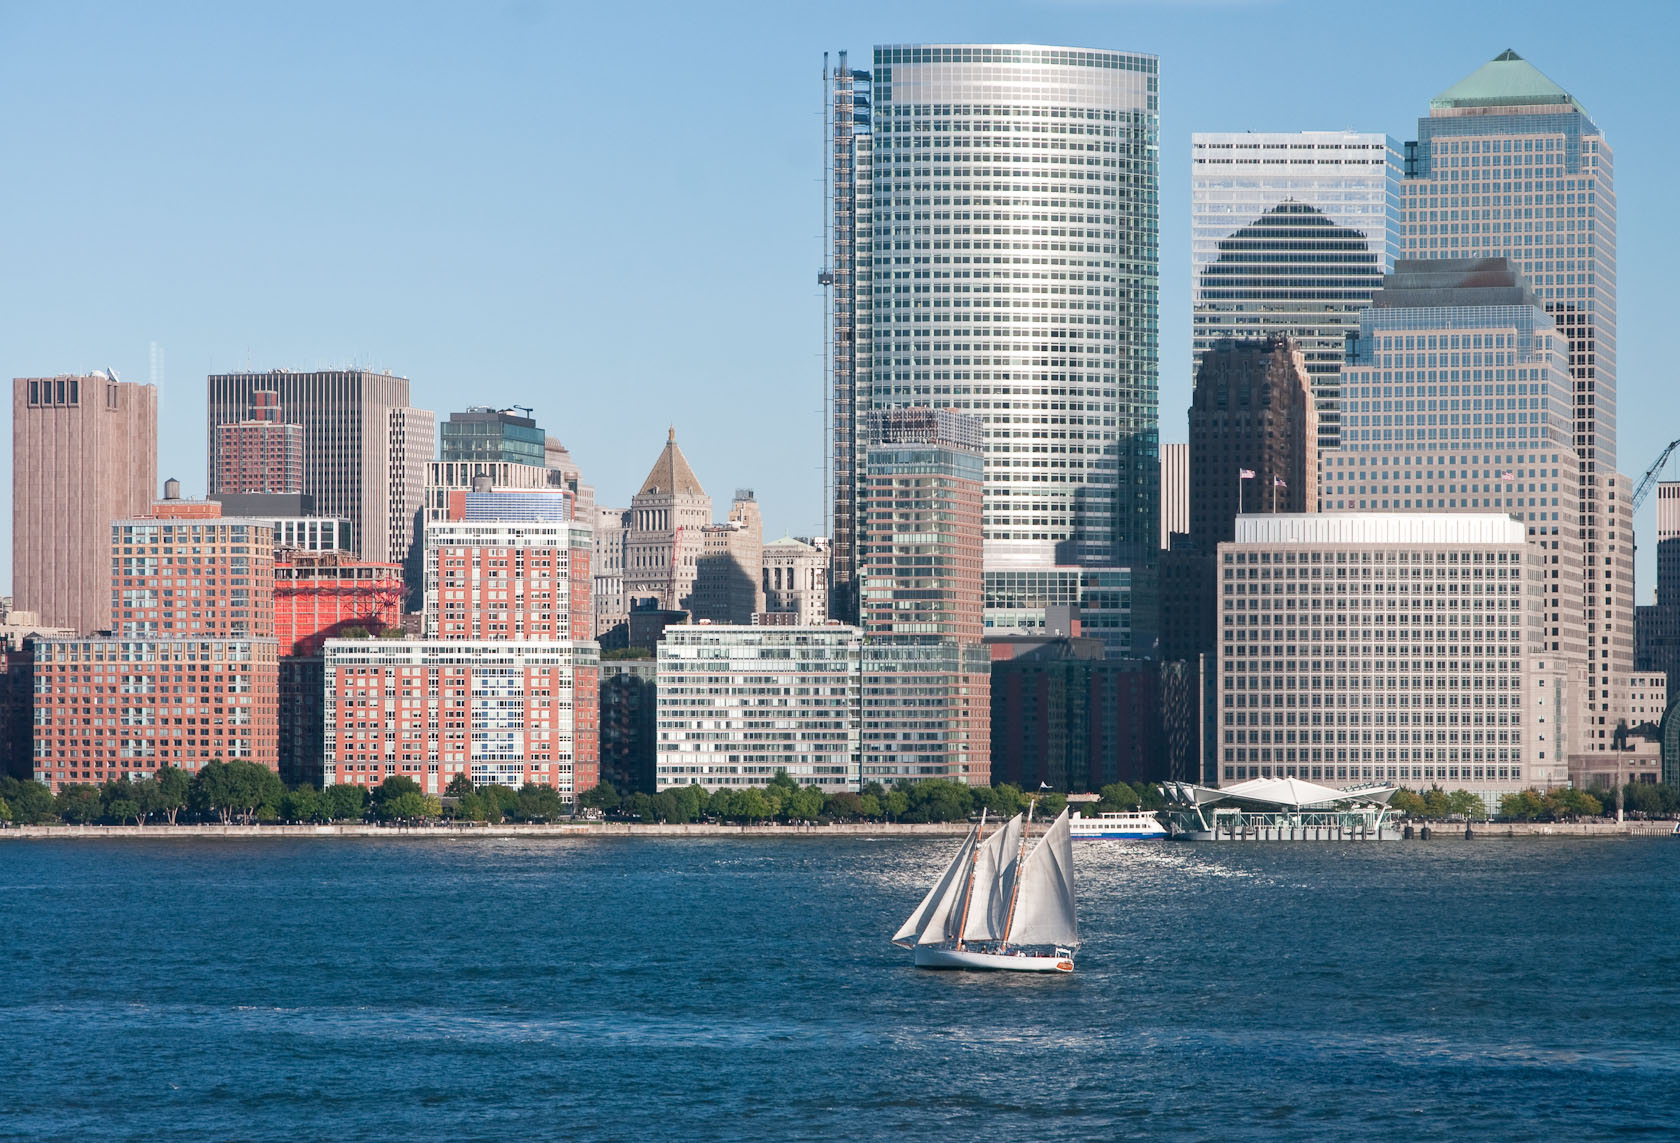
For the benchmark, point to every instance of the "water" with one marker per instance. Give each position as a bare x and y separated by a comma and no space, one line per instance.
743,989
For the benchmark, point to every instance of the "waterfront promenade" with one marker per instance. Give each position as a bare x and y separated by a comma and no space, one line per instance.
1440,831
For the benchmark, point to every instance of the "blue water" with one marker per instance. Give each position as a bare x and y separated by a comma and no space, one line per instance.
744,989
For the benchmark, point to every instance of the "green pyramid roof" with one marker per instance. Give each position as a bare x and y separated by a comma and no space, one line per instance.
1507,80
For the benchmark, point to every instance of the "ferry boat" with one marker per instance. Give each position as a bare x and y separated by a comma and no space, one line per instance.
1132,824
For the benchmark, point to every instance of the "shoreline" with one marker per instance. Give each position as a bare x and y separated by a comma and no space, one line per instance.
1491,831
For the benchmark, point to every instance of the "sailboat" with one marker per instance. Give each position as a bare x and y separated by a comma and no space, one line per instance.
998,905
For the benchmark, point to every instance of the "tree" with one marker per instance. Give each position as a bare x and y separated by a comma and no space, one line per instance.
303,804
5,811
1523,806
843,805
691,801
390,801
122,801
344,803
1407,802
539,803
78,804
803,805
31,802
895,805
1466,804
1118,797
236,789
869,805
459,786
603,797
171,787
408,806
939,800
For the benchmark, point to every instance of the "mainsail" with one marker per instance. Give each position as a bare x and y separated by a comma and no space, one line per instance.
994,883
1044,909
934,915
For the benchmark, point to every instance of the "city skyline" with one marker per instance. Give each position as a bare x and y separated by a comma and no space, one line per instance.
478,309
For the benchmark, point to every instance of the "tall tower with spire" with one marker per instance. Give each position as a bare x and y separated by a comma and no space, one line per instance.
664,540
1508,164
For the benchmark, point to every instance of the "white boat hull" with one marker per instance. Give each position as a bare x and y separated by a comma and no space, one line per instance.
1117,834
943,956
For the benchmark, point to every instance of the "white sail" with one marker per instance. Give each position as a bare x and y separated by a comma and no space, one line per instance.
935,908
1044,909
994,883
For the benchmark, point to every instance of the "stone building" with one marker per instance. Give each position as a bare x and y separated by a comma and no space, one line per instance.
665,538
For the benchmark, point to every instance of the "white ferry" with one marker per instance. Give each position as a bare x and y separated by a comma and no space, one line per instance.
1133,824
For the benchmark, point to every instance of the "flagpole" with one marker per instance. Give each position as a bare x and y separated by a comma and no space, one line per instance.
1239,490
1274,495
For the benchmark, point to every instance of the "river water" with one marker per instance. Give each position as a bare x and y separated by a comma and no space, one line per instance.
728,989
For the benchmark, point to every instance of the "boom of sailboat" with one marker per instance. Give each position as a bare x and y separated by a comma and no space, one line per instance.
1000,905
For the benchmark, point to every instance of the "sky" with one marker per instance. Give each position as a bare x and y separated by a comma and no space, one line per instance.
612,213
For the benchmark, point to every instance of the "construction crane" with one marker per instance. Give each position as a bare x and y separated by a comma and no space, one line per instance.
1649,480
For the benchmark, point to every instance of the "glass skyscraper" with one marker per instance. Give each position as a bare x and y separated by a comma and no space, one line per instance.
1509,164
1291,233
994,250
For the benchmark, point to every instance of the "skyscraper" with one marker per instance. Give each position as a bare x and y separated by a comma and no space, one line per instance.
84,453
663,541
994,250
365,449
1290,234
484,433
1508,164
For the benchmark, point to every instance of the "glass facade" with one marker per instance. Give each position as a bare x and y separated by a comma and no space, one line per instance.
483,434
1291,233
1007,267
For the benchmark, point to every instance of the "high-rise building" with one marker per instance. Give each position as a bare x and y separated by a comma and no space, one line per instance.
994,250
484,433
1175,492
1508,164
187,675
925,670
1253,436
260,455
1456,399
612,525
1385,648
795,687
664,542
365,449
84,453
630,724
1290,234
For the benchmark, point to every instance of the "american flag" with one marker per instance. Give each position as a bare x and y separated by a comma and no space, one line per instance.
1277,482
1507,476
1245,474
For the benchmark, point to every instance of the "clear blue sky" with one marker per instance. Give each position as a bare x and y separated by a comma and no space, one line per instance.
613,212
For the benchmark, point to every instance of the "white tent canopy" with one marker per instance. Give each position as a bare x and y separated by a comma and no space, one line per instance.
1277,793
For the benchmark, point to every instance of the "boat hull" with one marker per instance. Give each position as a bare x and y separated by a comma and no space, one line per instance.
1118,835
943,956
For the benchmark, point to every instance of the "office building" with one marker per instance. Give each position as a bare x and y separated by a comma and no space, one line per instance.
1290,234
187,675
795,581
738,704
663,544
1388,648
1066,717
84,453
1456,399
485,434
260,455
1657,624
612,611
993,249
1507,164
726,579
925,670
1116,605
365,449
1175,492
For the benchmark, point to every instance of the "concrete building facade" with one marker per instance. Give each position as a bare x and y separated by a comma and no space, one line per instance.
795,580
1386,648
365,448
84,453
